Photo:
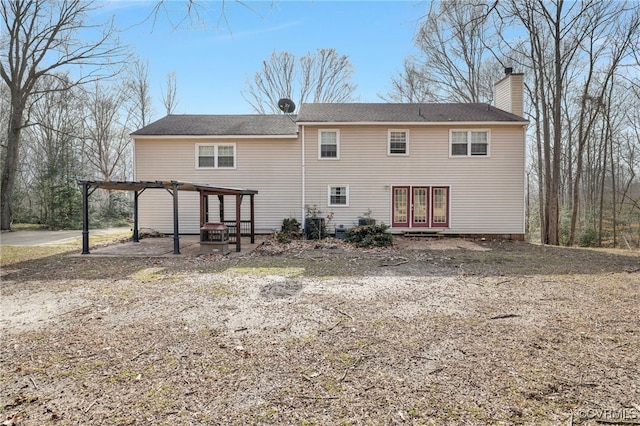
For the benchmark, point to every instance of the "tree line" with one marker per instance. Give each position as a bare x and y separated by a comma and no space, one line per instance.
68,105
582,97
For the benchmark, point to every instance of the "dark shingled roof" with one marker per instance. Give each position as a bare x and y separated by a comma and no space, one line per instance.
223,125
413,113
285,125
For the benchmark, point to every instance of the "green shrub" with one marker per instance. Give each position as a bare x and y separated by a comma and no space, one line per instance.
290,230
589,238
315,228
369,236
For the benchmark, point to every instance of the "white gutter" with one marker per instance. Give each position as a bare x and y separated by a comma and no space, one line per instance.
413,123
215,136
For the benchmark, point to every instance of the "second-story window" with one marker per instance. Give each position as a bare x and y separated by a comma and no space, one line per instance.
215,156
329,144
469,143
398,142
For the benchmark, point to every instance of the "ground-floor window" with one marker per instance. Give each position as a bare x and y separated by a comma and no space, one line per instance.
338,195
420,206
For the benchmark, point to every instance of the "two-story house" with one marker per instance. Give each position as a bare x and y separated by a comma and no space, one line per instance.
455,168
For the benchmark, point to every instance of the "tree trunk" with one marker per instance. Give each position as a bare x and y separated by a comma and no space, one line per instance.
603,178
554,208
10,168
613,172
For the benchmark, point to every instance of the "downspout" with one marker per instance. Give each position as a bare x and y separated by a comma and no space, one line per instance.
303,180
133,156
136,221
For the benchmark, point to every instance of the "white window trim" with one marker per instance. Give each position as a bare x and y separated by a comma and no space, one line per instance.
468,131
320,157
215,167
389,153
329,195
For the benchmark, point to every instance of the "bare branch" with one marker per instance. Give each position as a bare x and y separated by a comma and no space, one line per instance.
170,97
322,76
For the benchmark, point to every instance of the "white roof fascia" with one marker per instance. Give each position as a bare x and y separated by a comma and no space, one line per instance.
214,136
411,123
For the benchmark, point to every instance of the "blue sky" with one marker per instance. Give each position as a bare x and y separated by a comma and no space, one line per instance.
212,64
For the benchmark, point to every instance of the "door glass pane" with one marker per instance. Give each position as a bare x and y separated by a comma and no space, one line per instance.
420,205
440,205
400,203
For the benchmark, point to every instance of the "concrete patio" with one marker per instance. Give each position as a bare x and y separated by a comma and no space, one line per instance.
163,247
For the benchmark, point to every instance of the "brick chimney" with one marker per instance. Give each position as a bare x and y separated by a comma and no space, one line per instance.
508,93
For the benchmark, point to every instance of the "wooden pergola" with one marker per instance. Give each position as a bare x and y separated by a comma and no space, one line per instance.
138,187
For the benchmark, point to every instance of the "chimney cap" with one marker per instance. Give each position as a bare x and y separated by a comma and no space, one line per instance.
508,70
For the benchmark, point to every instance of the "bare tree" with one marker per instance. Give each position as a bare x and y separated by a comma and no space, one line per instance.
326,77
603,62
454,63
170,97
140,93
41,40
106,132
409,85
322,76
575,50
555,33
52,155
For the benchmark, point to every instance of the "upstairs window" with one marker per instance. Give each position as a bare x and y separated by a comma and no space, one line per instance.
226,156
398,142
206,156
469,143
215,156
329,144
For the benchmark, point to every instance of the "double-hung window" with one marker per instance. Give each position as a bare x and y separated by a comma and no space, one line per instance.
398,142
469,143
338,195
329,144
215,156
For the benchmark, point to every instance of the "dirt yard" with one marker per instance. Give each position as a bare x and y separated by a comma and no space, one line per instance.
444,332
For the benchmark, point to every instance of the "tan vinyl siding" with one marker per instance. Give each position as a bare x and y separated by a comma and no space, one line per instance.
271,166
486,193
509,94
517,95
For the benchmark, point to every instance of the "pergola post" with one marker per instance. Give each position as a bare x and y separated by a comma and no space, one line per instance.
176,234
135,216
253,222
221,200
204,208
238,222
85,217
